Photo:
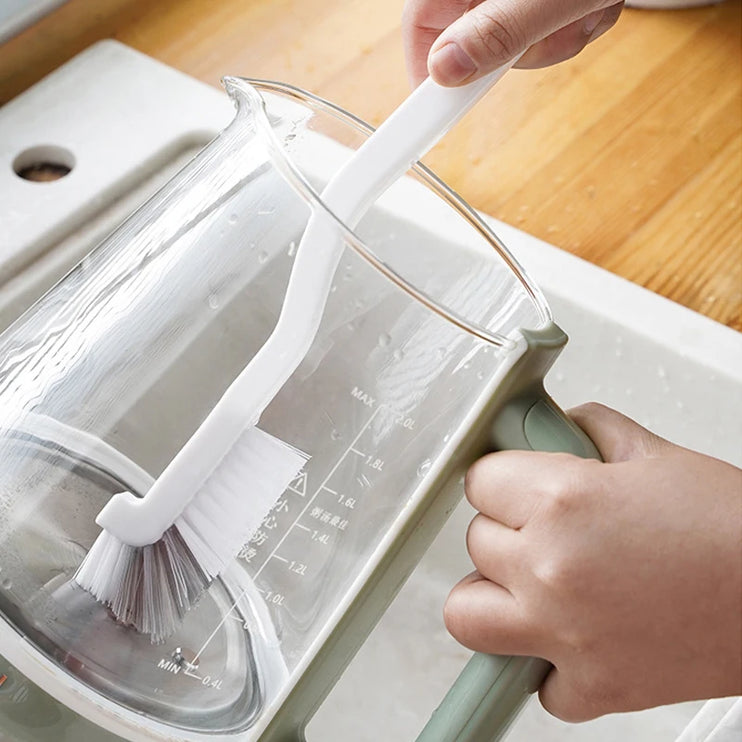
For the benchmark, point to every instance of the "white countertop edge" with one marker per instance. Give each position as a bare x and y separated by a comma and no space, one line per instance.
613,298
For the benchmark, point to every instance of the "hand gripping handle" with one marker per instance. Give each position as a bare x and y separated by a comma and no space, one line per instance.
491,689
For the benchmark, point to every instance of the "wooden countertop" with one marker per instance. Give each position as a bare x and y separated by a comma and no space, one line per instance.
629,156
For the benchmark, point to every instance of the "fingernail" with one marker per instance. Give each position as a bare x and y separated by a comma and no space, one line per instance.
450,65
590,22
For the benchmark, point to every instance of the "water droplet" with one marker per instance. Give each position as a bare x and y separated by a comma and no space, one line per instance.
213,301
7,584
661,372
424,468
292,248
480,375
335,435
384,339
262,256
441,352
232,219
680,404
351,326
619,352
398,355
446,437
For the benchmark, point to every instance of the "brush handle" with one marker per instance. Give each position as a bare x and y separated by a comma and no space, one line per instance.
411,130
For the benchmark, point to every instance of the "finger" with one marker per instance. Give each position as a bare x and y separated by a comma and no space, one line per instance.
496,31
509,486
565,701
422,23
485,617
569,41
495,550
608,20
617,437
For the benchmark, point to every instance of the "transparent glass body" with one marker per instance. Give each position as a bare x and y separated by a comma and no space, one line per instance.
106,377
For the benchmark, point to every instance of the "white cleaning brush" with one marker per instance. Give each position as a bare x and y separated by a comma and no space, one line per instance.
156,554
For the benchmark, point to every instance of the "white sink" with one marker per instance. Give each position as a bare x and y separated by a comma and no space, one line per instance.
674,371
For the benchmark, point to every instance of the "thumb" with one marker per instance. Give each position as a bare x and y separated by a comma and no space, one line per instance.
617,437
495,31
484,38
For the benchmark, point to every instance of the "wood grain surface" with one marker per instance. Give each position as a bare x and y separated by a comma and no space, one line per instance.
629,155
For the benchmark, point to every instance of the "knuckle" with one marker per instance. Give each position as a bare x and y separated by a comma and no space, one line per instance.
413,15
571,490
556,574
562,576
498,37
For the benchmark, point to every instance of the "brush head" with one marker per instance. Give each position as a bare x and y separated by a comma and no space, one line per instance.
152,587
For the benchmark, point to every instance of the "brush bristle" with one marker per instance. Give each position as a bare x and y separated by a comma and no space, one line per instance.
151,588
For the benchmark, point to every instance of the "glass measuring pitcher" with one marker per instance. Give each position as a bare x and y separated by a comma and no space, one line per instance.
429,327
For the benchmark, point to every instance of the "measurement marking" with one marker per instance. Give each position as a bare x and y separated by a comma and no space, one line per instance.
190,674
327,489
285,535
280,558
298,484
357,452
303,528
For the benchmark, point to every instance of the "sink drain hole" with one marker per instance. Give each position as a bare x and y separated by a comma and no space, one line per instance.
44,164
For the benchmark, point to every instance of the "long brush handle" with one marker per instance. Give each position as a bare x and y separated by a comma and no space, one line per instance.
411,130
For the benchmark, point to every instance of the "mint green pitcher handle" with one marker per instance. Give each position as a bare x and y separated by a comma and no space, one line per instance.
491,689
